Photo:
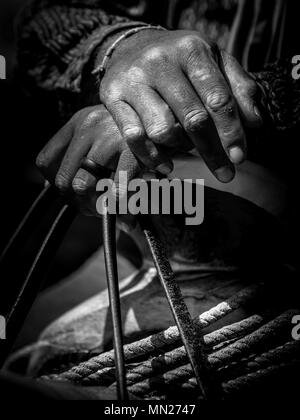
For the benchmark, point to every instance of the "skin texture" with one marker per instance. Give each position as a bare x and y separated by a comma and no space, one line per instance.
158,78
91,132
163,92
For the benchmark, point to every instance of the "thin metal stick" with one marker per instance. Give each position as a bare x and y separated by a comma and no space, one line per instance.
189,331
109,238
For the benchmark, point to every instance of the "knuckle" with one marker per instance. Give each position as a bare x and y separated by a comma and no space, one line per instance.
249,88
190,42
62,182
92,119
154,54
217,100
196,120
159,133
135,74
233,134
132,134
110,91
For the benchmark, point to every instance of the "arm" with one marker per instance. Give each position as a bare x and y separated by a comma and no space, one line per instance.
228,93
56,40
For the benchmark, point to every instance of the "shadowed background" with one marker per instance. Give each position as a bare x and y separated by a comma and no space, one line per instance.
25,128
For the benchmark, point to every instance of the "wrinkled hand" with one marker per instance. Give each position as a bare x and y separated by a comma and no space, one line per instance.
156,78
90,133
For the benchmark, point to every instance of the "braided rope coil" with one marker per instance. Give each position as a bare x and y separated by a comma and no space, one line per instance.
233,353
156,342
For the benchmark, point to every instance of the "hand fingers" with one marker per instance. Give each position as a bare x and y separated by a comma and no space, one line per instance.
49,159
245,91
85,183
87,124
157,118
105,151
218,100
107,146
134,134
84,186
197,123
78,149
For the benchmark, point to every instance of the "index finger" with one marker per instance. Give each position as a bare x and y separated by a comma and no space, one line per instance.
49,159
217,97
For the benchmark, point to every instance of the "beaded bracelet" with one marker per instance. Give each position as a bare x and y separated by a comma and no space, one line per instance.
101,69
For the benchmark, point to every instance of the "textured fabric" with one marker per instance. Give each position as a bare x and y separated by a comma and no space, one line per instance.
282,102
63,39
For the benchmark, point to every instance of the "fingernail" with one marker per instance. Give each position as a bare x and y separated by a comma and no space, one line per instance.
165,168
237,155
224,174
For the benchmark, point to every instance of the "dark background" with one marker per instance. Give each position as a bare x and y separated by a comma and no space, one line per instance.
25,128
21,131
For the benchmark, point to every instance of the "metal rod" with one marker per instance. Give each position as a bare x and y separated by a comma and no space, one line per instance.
31,278
109,238
190,334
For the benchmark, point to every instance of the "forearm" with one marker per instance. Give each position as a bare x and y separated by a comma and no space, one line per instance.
57,41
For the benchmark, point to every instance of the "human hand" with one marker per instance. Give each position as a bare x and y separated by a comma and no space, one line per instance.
156,78
90,133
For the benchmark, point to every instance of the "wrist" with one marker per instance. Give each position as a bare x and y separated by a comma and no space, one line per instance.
121,45
98,47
